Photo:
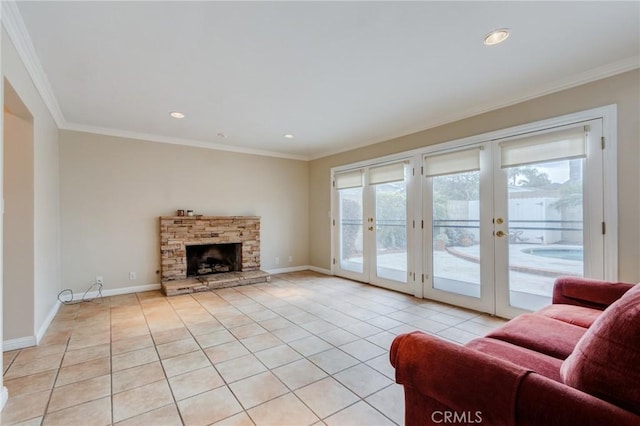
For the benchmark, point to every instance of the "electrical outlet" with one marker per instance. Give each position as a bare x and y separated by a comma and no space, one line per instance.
99,279
132,275
277,260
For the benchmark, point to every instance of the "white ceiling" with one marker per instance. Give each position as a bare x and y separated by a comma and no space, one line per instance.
338,75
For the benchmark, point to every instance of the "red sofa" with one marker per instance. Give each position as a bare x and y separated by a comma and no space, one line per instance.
575,362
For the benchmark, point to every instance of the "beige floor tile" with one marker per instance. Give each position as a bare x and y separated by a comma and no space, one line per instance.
338,337
131,344
37,421
164,416
261,342
318,326
205,327
277,356
86,354
457,335
133,359
239,368
383,339
362,380
310,345
216,338
31,384
333,360
326,397
299,373
284,410
362,329
262,314
276,323
247,330
362,350
137,376
185,363
7,359
83,371
171,335
25,407
234,320
179,347
289,334
194,382
80,392
384,323
209,407
123,333
257,389
38,365
475,328
390,402
80,342
240,419
29,354
226,351
140,400
97,412
383,365
360,414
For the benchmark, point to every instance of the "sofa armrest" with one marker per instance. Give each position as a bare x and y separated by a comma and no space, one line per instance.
586,292
460,378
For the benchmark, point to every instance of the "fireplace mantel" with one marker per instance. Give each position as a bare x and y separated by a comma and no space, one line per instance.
177,232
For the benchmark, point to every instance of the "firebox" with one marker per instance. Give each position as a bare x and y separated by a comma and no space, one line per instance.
208,259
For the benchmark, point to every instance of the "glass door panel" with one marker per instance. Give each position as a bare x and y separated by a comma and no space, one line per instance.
456,233
351,229
545,229
391,231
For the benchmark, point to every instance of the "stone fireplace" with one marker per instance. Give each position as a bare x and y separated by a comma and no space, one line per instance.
201,253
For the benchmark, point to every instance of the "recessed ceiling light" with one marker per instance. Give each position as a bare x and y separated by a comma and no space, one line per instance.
288,135
496,36
176,114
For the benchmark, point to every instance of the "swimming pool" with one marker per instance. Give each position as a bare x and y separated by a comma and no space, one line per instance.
565,253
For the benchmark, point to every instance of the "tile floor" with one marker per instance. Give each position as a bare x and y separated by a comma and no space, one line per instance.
303,349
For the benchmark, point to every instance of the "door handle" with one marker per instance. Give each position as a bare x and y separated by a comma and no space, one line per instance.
500,234
371,228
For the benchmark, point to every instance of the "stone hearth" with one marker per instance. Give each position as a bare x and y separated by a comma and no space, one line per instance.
178,232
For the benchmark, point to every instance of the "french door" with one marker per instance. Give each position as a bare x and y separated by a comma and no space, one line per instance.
372,237
504,218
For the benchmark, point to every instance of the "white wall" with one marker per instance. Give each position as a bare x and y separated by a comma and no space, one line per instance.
112,191
46,193
18,277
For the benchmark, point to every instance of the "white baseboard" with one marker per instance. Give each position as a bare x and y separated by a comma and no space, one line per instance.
19,343
285,270
320,270
45,326
4,396
117,291
298,269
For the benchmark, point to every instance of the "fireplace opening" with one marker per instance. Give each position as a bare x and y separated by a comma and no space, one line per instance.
208,259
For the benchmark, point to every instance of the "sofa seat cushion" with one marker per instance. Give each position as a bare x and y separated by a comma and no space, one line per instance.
542,364
540,334
576,315
606,361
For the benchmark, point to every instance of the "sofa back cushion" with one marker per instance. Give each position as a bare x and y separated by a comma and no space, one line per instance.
606,360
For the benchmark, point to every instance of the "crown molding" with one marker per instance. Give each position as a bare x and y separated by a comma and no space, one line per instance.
598,73
178,141
13,23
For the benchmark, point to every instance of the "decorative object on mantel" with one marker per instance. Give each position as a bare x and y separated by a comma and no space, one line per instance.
193,245
190,213
180,213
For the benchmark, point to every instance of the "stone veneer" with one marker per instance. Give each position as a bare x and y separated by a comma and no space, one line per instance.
176,232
